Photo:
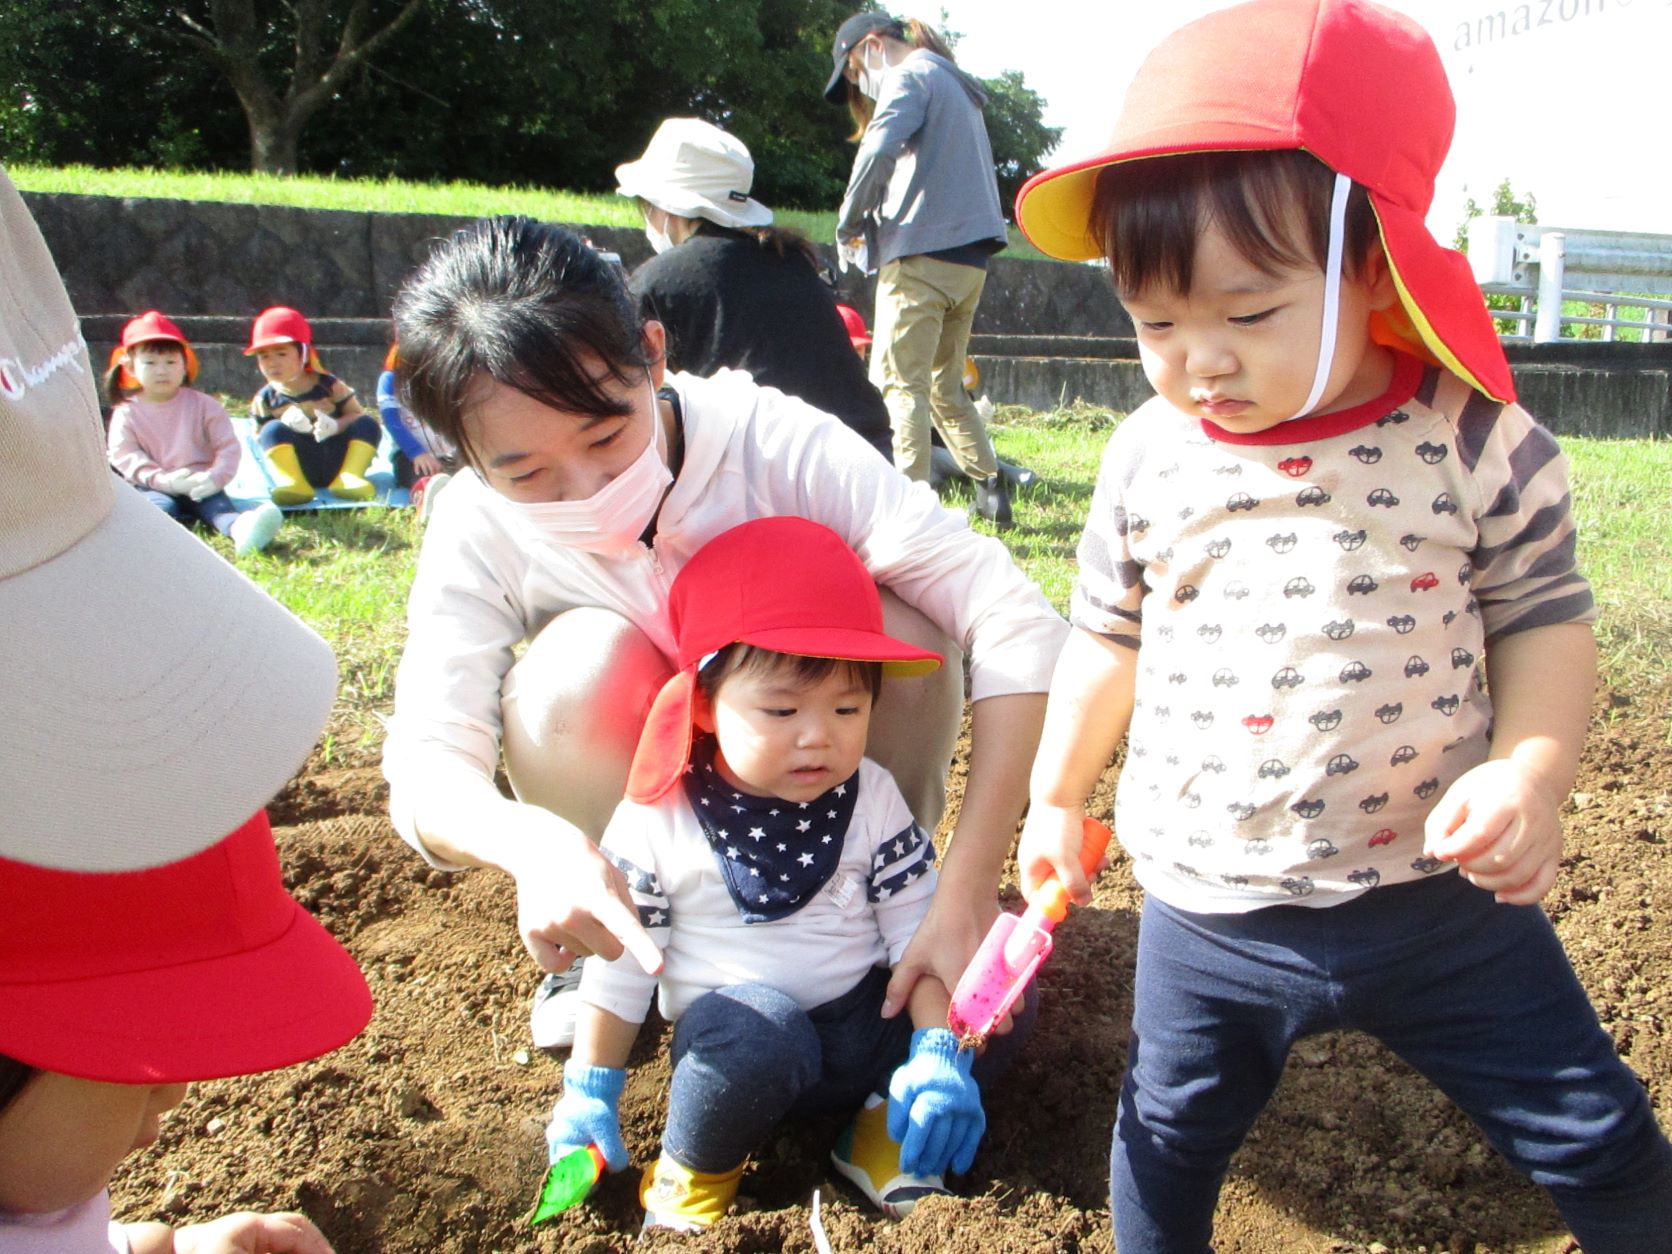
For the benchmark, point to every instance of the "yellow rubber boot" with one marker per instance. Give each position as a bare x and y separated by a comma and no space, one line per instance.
351,483
683,1200
290,485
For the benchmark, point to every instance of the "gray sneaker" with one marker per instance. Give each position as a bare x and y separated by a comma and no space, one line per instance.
551,1019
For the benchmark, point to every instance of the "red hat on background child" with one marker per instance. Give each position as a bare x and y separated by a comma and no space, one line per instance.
281,324
151,327
139,942
854,321
1357,86
784,584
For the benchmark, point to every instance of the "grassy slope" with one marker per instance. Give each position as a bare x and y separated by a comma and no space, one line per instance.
386,196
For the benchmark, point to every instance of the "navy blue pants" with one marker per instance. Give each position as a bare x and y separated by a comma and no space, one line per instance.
216,509
321,460
746,1057
1477,996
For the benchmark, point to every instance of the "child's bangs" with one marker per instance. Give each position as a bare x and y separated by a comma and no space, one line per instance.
1273,207
795,669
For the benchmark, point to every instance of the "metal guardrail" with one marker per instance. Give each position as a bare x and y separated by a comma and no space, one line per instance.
1544,266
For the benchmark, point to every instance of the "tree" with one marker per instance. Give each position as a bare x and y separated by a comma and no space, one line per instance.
553,93
1505,204
79,90
1016,129
330,42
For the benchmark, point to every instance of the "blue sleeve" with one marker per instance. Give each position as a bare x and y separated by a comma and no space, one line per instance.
394,418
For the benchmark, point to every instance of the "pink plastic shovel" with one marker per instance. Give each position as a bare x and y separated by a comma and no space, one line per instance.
1014,947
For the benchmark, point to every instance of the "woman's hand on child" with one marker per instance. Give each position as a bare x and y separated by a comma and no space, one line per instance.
943,945
588,1114
297,419
571,900
249,1233
934,1106
201,486
1499,824
426,464
325,426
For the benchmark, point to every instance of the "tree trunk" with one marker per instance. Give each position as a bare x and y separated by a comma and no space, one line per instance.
274,144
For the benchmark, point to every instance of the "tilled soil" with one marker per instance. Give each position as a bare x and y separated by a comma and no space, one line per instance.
424,1133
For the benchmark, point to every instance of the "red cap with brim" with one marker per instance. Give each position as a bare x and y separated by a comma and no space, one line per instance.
193,970
854,321
151,327
1359,87
783,584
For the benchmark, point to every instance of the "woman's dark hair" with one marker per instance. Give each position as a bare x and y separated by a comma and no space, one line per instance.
529,305
801,670
784,241
13,1076
1274,206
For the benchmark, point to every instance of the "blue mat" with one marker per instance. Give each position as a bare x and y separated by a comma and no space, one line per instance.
254,481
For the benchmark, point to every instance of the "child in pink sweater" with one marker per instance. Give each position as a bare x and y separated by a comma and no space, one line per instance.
172,442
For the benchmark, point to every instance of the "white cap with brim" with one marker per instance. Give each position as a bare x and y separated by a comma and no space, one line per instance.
694,169
154,697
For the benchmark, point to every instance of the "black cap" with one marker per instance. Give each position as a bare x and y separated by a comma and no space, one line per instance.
850,33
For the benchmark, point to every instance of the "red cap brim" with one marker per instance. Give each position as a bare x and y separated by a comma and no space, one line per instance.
193,970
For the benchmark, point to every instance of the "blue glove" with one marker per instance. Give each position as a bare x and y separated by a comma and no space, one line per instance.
934,1107
587,1114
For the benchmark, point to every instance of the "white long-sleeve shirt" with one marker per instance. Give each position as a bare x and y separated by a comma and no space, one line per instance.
862,917
487,581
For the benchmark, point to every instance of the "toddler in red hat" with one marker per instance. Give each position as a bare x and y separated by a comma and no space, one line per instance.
141,945
316,432
172,442
1327,594
781,874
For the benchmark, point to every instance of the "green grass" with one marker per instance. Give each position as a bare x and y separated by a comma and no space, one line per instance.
462,200
346,572
1625,548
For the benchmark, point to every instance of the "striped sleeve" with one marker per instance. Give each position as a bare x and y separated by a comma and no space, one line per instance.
1526,574
621,986
1109,590
902,875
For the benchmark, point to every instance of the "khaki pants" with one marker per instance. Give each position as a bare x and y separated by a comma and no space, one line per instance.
923,316
574,704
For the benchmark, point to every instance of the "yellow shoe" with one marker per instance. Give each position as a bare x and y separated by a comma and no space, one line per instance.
351,483
290,485
867,1156
683,1200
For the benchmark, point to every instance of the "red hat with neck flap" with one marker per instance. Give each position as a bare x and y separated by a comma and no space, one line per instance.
784,584
1357,86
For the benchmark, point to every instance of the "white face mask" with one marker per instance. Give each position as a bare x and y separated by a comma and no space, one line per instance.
870,76
613,518
660,240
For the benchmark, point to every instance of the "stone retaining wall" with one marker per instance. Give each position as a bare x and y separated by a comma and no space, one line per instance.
1046,333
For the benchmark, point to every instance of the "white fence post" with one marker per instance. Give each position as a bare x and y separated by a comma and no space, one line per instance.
1547,326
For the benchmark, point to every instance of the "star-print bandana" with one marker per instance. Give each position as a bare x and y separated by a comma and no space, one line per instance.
774,854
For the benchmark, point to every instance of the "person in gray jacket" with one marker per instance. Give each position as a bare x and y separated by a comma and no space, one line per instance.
922,208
